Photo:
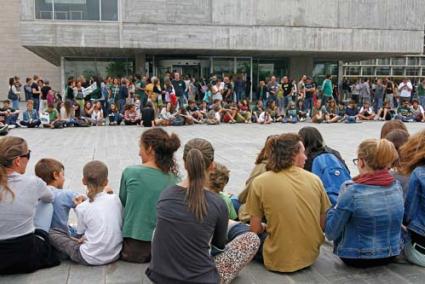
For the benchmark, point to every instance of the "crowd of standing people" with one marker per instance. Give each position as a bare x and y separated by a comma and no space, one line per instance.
173,100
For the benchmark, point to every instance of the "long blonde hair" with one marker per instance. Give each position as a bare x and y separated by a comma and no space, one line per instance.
11,147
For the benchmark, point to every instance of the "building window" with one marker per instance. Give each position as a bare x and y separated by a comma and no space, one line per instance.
77,10
353,71
399,61
383,71
412,71
413,61
383,61
397,71
368,71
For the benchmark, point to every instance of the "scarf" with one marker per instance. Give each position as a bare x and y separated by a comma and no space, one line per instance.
377,178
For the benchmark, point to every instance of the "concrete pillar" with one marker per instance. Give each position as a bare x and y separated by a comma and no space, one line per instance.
140,64
300,65
340,71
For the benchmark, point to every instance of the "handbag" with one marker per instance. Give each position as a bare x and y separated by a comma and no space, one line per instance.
11,95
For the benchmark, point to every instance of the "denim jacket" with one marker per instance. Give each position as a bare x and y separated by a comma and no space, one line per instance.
27,116
414,215
366,221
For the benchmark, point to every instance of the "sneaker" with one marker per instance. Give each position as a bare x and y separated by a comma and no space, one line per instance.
12,126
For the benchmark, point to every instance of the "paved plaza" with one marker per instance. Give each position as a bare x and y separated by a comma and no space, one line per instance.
236,146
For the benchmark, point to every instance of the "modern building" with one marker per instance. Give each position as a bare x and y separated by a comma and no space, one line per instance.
199,37
15,59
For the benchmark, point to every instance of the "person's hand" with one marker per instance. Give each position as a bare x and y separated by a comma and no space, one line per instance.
79,199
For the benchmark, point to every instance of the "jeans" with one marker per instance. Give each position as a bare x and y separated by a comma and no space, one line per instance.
377,103
422,101
32,124
36,103
121,103
11,119
15,104
286,101
43,216
308,104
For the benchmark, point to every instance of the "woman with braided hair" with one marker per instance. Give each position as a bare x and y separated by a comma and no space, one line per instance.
24,216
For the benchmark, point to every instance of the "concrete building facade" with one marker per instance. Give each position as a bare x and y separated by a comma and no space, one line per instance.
199,37
16,60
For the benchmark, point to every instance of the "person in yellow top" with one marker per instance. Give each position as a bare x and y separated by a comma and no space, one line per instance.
294,203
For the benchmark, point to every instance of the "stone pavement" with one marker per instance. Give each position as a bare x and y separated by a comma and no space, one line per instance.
236,146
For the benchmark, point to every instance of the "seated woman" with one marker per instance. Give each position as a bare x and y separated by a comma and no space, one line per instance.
191,222
317,114
140,189
97,118
67,113
412,162
331,112
366,221
324,161
291,115
245,111
148,115
166,116
385,113
259,168
366,112
273,110
24,241
301,110
258,109
115,117
131,116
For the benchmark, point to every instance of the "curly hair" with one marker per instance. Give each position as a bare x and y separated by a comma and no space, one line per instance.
164,147
412,153
283,149
218,178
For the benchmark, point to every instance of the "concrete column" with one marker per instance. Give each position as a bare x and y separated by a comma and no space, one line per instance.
340,71
300,65
140,63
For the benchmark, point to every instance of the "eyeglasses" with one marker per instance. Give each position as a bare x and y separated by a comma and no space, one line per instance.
355,161
27,155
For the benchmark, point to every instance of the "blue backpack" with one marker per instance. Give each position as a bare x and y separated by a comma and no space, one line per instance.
332,172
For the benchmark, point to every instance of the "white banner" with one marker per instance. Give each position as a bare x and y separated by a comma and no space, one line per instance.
87,91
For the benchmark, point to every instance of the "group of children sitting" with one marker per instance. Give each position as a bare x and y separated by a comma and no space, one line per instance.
70,114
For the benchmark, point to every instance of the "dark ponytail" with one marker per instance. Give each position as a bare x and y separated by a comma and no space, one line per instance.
198,155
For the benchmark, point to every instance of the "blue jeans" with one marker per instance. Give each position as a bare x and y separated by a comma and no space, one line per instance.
422,101
15,104
308,104
36,103
121,103
43,216
286,101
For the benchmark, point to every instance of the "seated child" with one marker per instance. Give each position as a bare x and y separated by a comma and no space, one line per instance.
245,111
366,112
52,173
258,109
213,116
115,117
386,113
193,110
8,115
99,221
131,116
264,118
301,110
404,113
291,113
351,112
148,115
30,117
50,117
97,114
217,181
417,111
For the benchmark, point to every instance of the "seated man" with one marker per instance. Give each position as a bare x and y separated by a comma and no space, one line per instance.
8,115
366,112
404,112
295,216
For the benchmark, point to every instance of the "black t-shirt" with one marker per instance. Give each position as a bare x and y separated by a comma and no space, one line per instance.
35,86
181,244
70,93
44,91
287,89
179,87
389,88
148,115
309,86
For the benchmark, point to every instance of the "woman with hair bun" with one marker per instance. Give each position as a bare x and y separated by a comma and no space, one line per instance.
140,188
365,223
192,225
24,239
412,163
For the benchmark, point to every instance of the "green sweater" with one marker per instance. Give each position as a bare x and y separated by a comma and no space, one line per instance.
139,192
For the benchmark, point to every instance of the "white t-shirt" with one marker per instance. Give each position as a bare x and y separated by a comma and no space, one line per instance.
17,214
405,89
419,110
100,221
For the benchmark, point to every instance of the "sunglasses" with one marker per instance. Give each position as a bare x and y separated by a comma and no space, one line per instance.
27,155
